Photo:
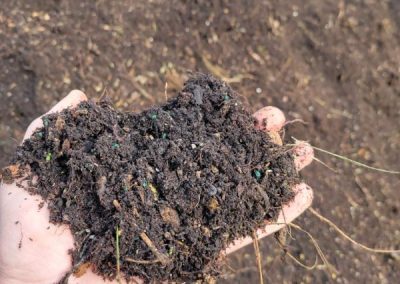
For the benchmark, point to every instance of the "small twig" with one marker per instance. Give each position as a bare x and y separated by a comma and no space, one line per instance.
128,259
160,257
258,256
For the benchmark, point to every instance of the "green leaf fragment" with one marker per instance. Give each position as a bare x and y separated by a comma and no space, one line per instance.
154,191
48,156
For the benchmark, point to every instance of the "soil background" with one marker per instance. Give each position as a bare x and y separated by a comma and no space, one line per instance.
334,64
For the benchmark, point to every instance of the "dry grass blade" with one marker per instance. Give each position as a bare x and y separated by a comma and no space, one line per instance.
356,162
324,164
258,256
117,253
142,91
305,266
282,243
174,79
328,266
166,91
343,234
297,142
223,74
129,259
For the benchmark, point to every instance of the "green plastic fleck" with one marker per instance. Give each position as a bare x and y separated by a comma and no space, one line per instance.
257,174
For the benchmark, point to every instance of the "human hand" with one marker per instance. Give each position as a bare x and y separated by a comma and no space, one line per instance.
32,250
271,120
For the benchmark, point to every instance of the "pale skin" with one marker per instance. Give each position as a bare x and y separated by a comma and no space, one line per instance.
32,250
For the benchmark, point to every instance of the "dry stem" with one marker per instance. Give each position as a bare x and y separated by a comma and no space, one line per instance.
343,234
258,256
329,267
160,257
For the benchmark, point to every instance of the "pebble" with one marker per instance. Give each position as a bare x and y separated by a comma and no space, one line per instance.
212,190
198,96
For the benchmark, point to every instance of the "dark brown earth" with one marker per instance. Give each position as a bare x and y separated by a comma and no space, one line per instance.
177,183
334,64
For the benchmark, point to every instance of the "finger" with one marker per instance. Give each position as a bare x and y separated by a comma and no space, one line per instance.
91,278
74,98
269,118
303,155
71,100
289,212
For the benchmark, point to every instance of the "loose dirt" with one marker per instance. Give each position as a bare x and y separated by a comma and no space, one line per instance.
333,64
163,192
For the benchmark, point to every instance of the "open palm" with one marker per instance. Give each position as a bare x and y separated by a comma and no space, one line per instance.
32,250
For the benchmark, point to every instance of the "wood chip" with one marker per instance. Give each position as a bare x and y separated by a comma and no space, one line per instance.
117,205
60,123
214,169
66,145
101,187
213,205
170,216
10,173
81,269
275,138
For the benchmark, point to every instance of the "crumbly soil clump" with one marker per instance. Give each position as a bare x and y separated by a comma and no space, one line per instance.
164,191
